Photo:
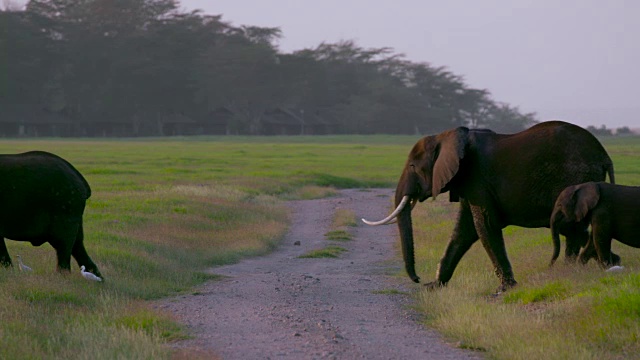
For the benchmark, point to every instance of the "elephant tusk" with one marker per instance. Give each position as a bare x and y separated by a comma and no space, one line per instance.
390,217
395,220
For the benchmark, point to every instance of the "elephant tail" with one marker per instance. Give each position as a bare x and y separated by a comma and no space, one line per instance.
555,235
609,170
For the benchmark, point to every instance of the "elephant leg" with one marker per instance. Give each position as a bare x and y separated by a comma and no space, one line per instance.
615,258
589,252
62,238
493,242
602,242
464,235
592,251
63,253
5,259
80,254
577,236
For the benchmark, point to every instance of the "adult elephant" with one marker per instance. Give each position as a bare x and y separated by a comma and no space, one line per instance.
42,199
499,180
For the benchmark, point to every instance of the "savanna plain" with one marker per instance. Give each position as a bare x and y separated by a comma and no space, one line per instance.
162,211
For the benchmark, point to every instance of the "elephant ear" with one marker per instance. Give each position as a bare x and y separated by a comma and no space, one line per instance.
449,152
586,197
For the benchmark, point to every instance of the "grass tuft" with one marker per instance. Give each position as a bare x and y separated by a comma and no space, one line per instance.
328,252
338,235
556,290
344,218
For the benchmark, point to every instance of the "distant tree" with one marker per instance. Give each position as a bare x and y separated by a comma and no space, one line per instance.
601,131
504,118
242,72
623,131
141,62
25,60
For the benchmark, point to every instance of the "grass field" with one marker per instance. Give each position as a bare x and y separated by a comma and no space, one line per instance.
163,210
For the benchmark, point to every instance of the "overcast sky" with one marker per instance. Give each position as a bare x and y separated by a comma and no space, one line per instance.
576,60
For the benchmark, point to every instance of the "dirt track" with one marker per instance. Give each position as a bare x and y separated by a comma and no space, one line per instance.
284,307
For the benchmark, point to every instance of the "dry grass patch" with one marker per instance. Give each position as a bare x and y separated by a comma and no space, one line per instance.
309,192
344,218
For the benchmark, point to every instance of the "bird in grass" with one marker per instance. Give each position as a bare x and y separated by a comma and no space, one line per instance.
89,276
615,268
22,266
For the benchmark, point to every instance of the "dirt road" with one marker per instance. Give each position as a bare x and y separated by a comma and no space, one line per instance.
284,307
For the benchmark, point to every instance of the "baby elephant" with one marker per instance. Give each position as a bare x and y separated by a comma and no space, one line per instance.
613,211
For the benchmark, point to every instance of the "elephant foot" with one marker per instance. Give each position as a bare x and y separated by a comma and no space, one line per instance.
571,259
96,272
584,259
506,285
615,259
586,255
434,285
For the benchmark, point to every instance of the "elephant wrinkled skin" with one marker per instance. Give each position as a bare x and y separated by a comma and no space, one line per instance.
42,199
499,180
613,211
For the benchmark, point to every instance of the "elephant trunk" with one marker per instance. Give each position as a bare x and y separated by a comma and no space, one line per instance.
406,238
405,192
556,218
405,228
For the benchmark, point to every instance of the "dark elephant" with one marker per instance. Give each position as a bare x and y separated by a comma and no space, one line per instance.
499,180
613,211
42,200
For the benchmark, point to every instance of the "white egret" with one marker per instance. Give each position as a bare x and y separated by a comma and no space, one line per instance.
615,268
89,276
22,266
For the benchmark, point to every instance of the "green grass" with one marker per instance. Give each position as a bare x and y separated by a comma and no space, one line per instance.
161,212
164,210
390,292
327,252
338,235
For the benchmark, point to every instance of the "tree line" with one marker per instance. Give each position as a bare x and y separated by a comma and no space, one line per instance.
147,68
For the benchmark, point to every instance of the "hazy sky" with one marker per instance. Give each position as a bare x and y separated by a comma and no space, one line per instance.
576,60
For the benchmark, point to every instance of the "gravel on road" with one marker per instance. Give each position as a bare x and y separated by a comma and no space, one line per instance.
281,306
